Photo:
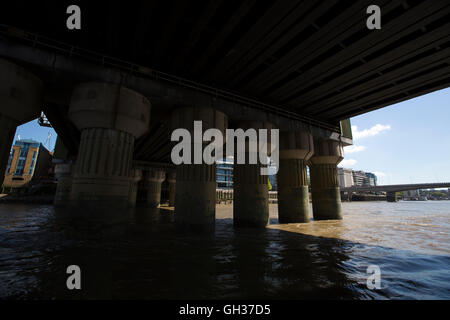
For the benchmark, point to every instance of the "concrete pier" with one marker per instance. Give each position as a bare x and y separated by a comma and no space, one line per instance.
195,194
142,189
63,173
171,179
325,192
296,148
155,178
251,190
136,176
391,196
110,118
251,196
21,95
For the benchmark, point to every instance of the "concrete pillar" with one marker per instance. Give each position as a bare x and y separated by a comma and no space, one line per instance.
142,189
326,196
136,176
20,102
63,173
195,194
171,179
391,196
250,188
7,130
296,148
155,177
110,118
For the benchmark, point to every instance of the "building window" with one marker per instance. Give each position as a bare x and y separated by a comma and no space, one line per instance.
33,161
10,161
31,167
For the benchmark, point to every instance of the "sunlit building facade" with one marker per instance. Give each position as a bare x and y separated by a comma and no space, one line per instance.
28,160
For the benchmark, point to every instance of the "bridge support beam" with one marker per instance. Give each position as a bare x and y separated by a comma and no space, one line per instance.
296,148
20,101
250,187
391,196
195,194
326,196
110,117
155,178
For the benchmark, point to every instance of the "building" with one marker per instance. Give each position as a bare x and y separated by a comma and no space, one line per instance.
411,195
359,178
28,161
345,177
364,179
224,174
372,179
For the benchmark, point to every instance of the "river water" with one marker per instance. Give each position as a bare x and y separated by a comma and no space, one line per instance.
139,254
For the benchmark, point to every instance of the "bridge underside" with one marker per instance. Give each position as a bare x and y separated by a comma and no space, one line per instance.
316,58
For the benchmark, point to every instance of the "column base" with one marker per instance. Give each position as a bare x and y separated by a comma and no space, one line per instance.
293,193
250,196
172,190
327,204
63,189
7,130
154,194
251,207
195,198
391,197
63,172
100,192
293,205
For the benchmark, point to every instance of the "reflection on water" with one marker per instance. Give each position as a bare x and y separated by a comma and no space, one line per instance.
138,254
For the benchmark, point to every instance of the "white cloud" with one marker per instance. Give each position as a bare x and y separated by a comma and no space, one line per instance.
347,163
373,131
379,174
354,148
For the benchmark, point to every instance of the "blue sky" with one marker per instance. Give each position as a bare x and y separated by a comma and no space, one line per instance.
408,142
32,130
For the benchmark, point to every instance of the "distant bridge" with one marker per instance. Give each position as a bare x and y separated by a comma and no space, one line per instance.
393,188
397,187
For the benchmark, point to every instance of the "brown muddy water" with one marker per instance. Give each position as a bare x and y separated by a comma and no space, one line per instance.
139,254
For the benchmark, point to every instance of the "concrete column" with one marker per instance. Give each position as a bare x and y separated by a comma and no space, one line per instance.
7,130
326,196
110,118
142,189
20,102
391,196
195,194
136,176
250,188
171,179
155,177
296,148
63,173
